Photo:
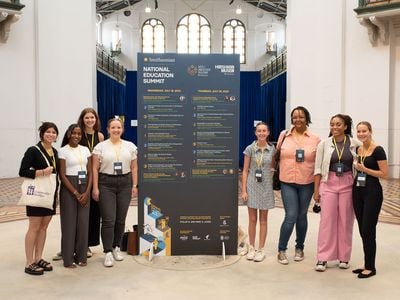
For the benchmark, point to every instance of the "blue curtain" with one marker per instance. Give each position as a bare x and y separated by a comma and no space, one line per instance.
274,93
252,107
131,106
111,99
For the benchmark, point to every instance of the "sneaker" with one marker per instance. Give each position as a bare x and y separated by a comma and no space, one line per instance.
259,256
321,266
282,258
242,250
108,260
251,253
58,256
89,253
344,265
298,255
117,254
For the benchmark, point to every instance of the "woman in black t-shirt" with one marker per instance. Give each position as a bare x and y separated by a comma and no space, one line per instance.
90,123
39,160
368,195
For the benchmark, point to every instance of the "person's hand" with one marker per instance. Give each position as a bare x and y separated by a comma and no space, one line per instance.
245,196
95,194
360,167
83,199
48,171
134,192
317,197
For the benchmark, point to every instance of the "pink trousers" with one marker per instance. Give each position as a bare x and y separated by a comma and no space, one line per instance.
337,218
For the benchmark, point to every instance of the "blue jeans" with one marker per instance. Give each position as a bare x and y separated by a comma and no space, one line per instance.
296,200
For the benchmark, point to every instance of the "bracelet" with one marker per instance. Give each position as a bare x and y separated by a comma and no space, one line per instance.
76,193
42,172
135,185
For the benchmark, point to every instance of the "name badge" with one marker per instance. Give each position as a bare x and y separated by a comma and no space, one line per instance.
339,169
118,168
299,155
82,178
361,179
259,175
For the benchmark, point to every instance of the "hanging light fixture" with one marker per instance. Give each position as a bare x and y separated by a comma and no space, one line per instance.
116,36
147,10
238,10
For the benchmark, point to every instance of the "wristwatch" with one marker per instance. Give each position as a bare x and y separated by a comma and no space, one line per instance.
135,185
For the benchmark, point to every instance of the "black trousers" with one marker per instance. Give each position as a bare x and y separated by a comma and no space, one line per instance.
367,203
94,224
115,197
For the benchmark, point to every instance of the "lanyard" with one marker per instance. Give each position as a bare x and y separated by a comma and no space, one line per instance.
339,154
364,154
90,145
259,159
117,150
52,157
79,157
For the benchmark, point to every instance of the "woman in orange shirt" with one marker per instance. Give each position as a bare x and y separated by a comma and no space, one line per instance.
298,147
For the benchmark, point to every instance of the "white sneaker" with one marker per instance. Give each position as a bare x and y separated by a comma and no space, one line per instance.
344,265
259,256
117,254
108,260
242,250
89,253
282,258
57,256
251,253
298,255
321,266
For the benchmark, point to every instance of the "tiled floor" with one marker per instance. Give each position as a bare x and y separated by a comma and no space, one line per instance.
10,193
176,278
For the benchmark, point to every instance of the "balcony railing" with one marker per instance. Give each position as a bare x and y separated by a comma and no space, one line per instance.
274,67
374,6
109,65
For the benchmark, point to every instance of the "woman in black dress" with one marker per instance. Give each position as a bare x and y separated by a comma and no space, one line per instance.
35,163
90,123
368,195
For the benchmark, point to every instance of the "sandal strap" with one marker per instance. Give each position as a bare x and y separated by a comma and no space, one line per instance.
42,263
35,267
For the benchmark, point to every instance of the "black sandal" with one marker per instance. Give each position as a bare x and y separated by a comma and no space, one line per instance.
45,265
34,269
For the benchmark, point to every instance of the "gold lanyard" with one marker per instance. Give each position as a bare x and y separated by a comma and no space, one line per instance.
91,146
339,153
52,158
117,153
79,157
259,160
364,154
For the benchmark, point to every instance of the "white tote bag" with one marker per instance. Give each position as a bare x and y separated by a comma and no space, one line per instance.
39,192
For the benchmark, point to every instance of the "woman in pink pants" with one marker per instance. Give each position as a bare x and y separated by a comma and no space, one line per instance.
333,180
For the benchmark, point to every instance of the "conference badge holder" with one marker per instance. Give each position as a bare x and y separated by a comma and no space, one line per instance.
339,169
299,155
259,175
361,179
82,178
118,168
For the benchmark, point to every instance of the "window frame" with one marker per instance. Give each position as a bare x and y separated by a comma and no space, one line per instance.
239,24
147,22
180,24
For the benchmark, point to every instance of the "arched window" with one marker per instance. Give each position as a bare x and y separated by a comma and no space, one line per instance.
193,34
153,36
234,39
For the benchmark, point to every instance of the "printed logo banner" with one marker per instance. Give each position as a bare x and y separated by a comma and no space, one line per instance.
188,138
